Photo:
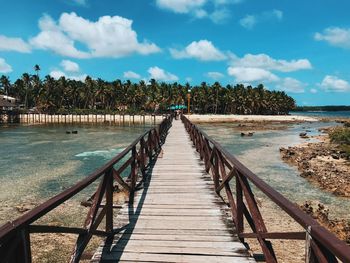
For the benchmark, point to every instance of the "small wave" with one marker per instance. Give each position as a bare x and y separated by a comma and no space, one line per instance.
106,154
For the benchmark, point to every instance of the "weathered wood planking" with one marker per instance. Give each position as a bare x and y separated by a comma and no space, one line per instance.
177,217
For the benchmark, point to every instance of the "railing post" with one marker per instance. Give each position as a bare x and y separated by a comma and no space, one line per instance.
109,202
142,157
216,175
239,202
133,169
150,146
23,251
308,245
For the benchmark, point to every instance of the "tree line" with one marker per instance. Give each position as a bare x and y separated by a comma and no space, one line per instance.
323,108
64,95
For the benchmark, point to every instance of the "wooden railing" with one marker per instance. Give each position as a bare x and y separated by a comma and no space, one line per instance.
228,173
15,245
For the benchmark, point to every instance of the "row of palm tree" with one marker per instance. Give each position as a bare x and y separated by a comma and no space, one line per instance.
51,95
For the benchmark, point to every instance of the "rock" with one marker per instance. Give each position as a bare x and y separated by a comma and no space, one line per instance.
68,132
249,134
74,132
335,156
303,135
22,208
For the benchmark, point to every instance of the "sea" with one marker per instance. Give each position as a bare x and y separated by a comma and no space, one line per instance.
39,161
323,114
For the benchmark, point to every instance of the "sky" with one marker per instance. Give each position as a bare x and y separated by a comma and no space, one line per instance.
301,47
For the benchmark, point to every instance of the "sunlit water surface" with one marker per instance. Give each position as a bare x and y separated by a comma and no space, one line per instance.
260,153
40,161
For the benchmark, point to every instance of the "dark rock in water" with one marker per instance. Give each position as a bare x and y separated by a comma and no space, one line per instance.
247,134
308,130
335,156
74,132
303,135
68,132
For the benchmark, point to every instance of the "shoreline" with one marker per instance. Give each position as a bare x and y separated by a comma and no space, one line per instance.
322,164
249,118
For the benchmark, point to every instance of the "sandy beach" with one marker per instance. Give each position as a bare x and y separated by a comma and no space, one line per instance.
249,118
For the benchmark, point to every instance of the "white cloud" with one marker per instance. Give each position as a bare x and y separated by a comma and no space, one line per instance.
160,74
276,13
249,21
189,79
335,84
200,13
107,37
203,50
215,10
80,2
70,66
4,67
53,38
220,16
247,74
313,91
180,6
56,74
14,44
266,62
291,85
335,36
215,75
225,2
131,75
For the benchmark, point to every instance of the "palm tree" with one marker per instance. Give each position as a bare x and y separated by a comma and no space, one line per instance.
5,84
37,69
27,84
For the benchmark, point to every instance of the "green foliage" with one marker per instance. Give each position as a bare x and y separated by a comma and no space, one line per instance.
322,108
66,96
340,135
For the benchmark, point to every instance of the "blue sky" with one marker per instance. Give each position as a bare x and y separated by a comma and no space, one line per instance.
302,47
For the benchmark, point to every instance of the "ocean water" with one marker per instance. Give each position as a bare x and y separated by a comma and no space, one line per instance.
323,114
38,162
260,153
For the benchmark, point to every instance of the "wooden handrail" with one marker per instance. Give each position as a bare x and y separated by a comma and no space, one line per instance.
14,236
324,245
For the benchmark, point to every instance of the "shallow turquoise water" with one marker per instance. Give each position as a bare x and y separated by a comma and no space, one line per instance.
40,161
323,114
260,153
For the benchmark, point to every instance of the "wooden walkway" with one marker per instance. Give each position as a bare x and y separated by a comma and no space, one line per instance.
177,217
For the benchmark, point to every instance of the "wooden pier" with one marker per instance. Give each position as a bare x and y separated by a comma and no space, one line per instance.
190,200
177,217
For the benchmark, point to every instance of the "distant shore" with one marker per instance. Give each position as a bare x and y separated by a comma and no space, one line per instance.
249,118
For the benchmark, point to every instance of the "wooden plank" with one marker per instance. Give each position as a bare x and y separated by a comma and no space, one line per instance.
177,217
171,258
177,237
